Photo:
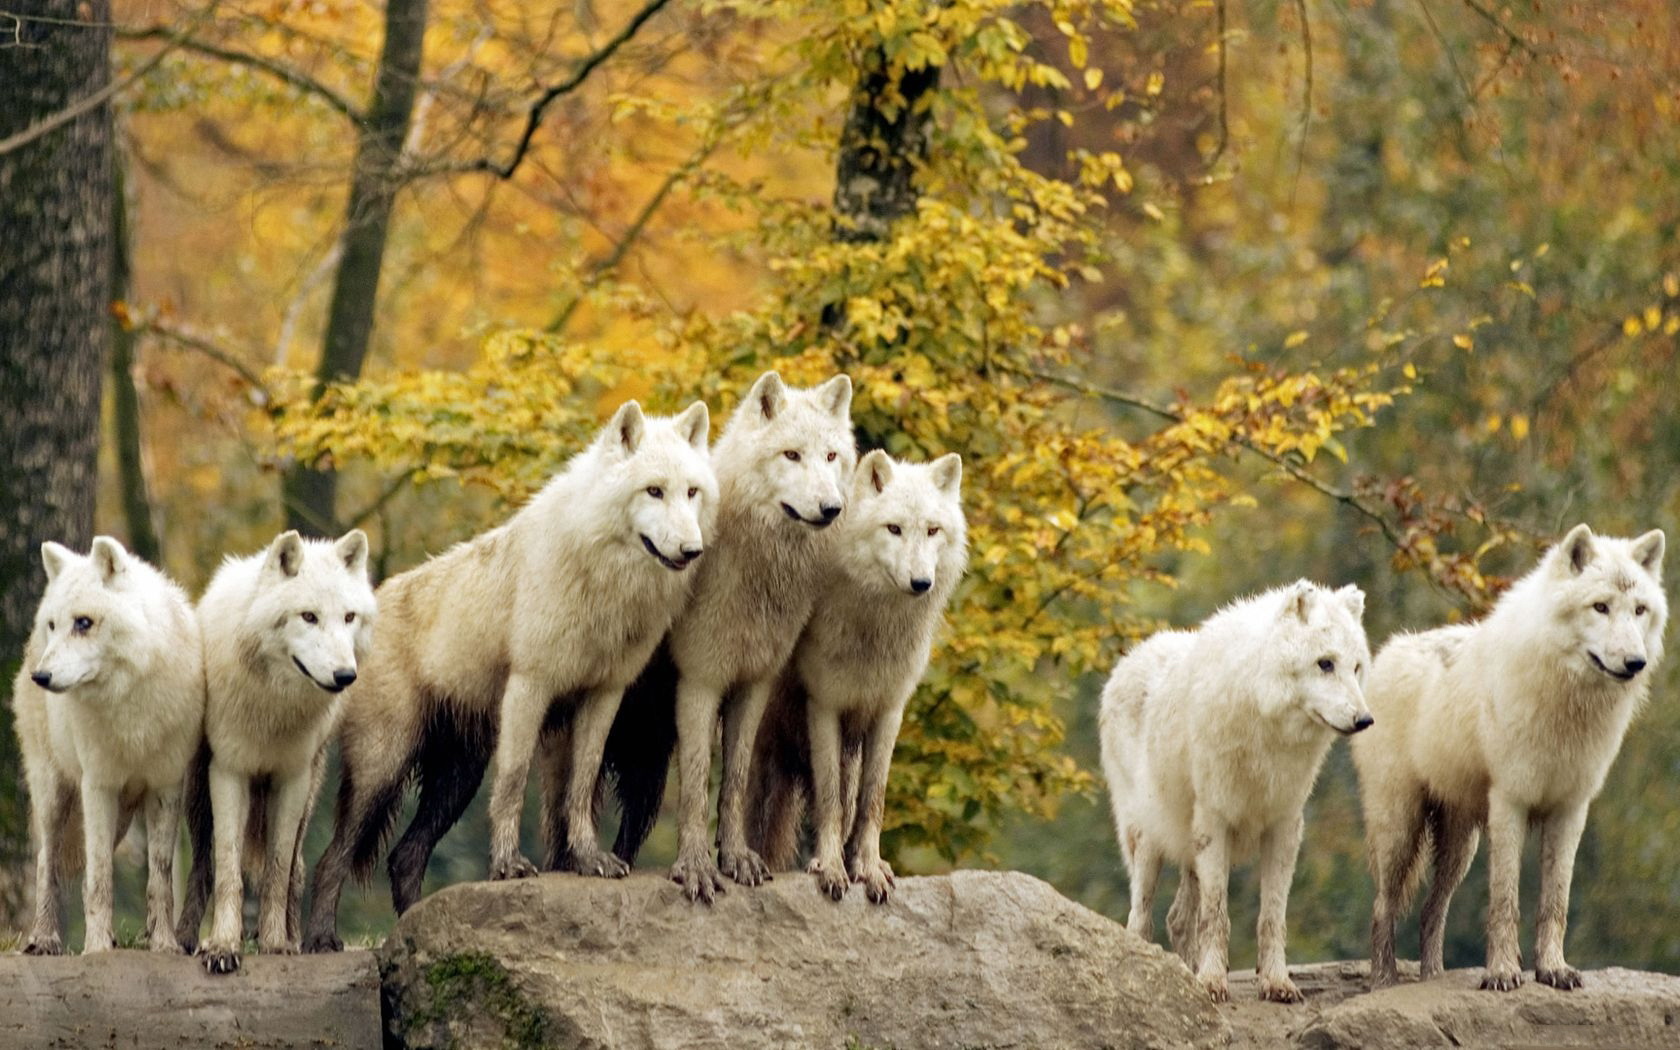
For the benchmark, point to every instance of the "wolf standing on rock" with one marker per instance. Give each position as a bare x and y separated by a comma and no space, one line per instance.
1499,724
563,603
1211,742
284,632
109,707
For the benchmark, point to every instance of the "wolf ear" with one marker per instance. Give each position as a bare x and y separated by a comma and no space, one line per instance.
836,396
54,557
874,474
627,427
695,425
285,554
1354,599
1576,550
108,557
947,474
768,396
1299,602
1648,552
352,550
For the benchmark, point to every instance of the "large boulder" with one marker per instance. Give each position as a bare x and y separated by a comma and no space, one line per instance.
974,959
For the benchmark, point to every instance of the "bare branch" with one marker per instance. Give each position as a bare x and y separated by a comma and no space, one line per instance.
1306,98
1510,34
1224,100
293,78
199,344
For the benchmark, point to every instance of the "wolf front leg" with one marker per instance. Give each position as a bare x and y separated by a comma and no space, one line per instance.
1507,821
590,726
828,863
1559,837
524,705
99,832
697,712
740,730
1279,847
867,865
287,801
230,804
1211,840
163,824
49,798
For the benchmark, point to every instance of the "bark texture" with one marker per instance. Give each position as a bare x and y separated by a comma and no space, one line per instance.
55,283
884,143
311,495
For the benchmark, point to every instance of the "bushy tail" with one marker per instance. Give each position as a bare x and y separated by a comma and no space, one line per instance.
195,799
637,758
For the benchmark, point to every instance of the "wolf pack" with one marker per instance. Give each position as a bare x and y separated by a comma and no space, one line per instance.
772,600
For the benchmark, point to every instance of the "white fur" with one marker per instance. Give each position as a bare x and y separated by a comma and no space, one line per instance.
1211,742
784,463
899,553
114,728
1510,720
285,631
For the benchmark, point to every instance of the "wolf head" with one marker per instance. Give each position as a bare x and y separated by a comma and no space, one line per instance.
1608,594
905,530
1322,645
664,479
790,452
313,607
90,616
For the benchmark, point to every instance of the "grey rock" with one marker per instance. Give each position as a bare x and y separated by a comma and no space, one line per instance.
969,960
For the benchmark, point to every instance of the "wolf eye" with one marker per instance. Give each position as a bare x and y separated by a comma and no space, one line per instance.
832,456
656,492
895,530
1639,610
310,617
81,625
349,617
1326,664
1601,608
933,530
792,456
693,491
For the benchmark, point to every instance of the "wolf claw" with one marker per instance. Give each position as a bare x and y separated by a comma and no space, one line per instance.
1283,991
220,960
600,864
831,878
699,877
44,946
745,867
1502,980
321,943
1564,979
517,867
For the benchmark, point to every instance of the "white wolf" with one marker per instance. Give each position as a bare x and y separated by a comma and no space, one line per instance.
284,632
1499,724
563,605
1211,741
110,706
783,465
899,553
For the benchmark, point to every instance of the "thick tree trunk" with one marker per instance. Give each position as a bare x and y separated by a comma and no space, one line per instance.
125,398
55,282
310,495
882,146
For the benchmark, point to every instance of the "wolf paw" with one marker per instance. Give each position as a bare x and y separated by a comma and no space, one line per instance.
44,946
514,867
744,866
1502,980
96,943
1279,991
699,877
877,879
219,960
1384,978
1564,978
831,877
164,945
600,863
322,943
282,948
1214,985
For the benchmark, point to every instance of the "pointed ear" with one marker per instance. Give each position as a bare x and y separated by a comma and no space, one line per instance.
109,558
55,556
768,396
626,427
947,474
1576,550
352,550
1300,599
285,554
695,425
1648,552
1354,599
836,396
874,474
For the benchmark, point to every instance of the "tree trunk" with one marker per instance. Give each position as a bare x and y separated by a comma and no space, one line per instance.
309,494
884,142
55,283
125,399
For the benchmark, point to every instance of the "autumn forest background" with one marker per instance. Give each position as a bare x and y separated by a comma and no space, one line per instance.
1209,294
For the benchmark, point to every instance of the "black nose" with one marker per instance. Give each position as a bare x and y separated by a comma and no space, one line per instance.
1634,666
343,678
830,512
690,553
920,586
1363,722
41,678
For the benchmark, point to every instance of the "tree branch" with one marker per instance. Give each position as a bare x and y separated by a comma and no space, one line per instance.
293,78
1509,33
227,359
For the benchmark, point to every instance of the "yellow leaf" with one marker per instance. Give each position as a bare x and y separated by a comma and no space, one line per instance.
1154,84
1462,341
1294,339
1671,285
1093,78
1519,426
1410,370
1631,325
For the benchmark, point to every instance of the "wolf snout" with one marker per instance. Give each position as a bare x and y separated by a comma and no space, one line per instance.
1633,667
690,553
1363,722
920,586
42,679
343,677
830,511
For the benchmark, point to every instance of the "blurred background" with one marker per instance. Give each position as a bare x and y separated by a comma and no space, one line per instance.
1209,295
